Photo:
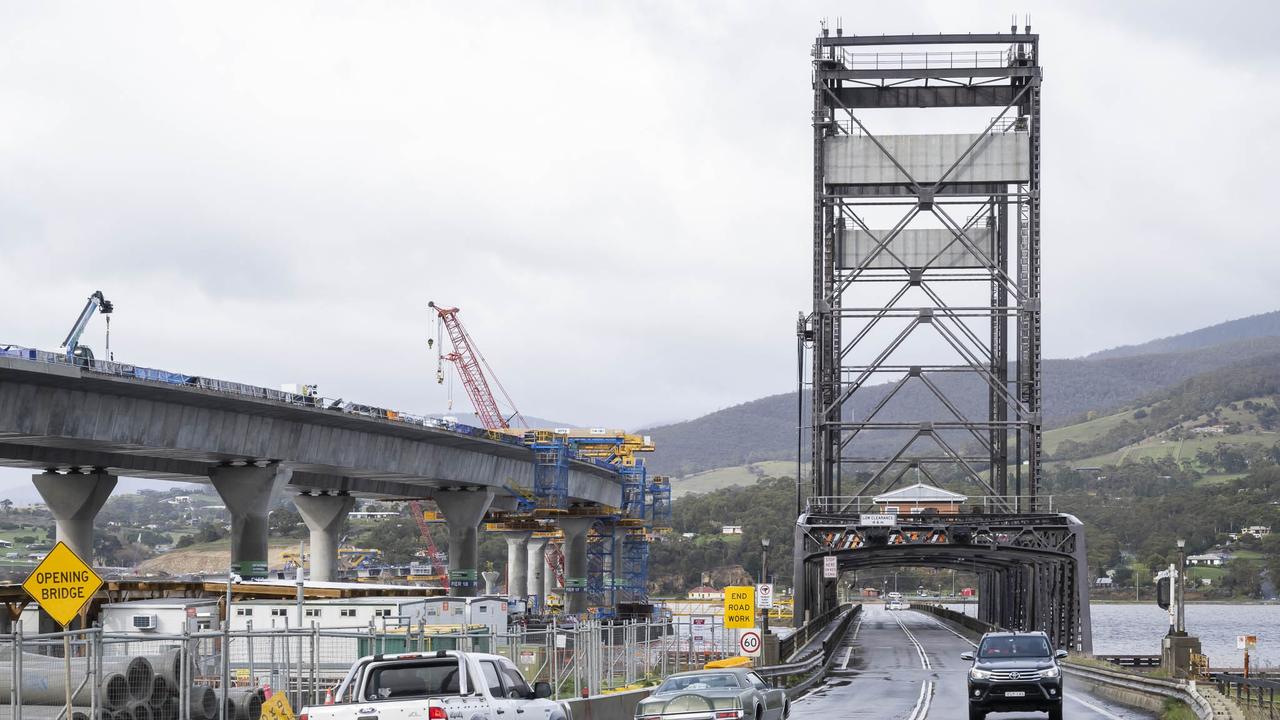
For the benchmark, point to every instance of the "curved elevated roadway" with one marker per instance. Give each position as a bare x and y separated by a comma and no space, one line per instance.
906,665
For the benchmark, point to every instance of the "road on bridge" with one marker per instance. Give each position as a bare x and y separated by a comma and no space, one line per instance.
905,665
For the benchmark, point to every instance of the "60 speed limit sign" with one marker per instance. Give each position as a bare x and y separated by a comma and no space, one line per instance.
749,642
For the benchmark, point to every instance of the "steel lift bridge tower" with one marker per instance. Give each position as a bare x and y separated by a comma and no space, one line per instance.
926,282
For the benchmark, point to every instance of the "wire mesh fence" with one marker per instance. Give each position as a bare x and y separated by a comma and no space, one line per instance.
227,675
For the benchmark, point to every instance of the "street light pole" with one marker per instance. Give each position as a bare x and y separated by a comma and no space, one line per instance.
764,579
1181,589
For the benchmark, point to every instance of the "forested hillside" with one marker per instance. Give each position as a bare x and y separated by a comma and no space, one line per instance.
764,429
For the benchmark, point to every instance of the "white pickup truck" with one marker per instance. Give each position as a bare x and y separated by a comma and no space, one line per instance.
442,685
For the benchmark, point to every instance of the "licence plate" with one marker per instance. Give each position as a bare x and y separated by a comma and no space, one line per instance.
1016,693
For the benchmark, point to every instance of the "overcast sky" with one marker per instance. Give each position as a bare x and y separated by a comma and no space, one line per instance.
616,194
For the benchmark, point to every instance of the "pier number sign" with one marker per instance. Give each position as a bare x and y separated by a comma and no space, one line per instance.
740,607
62,584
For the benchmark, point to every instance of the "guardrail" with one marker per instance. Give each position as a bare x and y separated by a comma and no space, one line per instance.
798,676
967,622
1153,687
793,643
1253,692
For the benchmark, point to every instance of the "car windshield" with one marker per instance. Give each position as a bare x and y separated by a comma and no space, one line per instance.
705,681
1014,646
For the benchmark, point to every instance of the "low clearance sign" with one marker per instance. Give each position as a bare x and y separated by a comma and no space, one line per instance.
740,607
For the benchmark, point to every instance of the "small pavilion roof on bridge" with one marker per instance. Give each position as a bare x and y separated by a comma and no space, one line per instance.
920,493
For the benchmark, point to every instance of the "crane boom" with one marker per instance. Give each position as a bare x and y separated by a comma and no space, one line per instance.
96,303
471,365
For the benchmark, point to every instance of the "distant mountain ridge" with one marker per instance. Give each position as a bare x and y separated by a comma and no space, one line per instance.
764,429
1264,325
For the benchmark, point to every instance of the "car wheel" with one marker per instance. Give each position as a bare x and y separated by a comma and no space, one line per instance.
786,710
759,713
976,714
1055,713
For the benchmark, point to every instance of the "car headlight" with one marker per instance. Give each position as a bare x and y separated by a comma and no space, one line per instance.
1052,672
977,674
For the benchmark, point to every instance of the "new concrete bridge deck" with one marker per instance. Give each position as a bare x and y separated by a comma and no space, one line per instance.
84,426
62,416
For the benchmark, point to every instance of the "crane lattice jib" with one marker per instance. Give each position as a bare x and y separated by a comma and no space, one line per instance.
467,360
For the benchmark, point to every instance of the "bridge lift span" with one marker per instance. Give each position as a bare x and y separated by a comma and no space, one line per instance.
926,277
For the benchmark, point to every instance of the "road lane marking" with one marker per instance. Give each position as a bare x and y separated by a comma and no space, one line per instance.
1101,711
924,657
849,651
921,710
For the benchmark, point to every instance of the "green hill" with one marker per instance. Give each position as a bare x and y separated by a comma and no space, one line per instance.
1102,384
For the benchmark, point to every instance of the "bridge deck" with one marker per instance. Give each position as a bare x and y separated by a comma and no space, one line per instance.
905,664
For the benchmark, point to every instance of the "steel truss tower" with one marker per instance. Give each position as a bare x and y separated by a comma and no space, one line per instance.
919,219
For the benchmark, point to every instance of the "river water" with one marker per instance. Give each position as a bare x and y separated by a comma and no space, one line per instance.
1120,629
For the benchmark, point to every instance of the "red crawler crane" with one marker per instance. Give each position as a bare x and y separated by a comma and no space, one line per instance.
471,365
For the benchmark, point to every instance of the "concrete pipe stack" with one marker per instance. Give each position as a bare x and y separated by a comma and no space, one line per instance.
243,704
124,680
143,687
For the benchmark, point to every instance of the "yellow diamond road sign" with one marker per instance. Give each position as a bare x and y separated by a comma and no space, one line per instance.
62,583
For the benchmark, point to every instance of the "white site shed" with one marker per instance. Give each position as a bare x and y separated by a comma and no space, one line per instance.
160,616
329,613
488,610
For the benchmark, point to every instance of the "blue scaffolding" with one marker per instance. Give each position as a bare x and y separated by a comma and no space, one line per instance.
660,502
634,583
633,490
601,588
550,471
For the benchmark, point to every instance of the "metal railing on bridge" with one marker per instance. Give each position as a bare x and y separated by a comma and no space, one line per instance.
243,390
972,505
1253,692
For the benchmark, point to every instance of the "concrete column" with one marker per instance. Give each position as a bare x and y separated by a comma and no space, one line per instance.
575,563
463,510
74,500
248,491
323,515
517,563
535,553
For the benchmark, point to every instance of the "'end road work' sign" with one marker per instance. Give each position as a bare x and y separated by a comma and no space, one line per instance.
61,584
740,607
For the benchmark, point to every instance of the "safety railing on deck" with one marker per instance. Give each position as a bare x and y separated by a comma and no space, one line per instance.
972,505
243,390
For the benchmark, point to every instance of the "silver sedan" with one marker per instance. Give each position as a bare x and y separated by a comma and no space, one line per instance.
713,695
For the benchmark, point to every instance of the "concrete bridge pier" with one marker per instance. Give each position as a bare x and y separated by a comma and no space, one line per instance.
517,563
536,564
323,515
463,509
74,500
247,491
575,563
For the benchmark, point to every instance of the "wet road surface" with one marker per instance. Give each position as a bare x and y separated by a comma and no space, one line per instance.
905,665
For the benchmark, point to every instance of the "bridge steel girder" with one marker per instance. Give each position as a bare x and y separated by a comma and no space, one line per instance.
55,416
1032,569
